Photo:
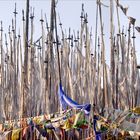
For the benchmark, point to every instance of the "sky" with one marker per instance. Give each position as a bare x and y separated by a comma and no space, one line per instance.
69,11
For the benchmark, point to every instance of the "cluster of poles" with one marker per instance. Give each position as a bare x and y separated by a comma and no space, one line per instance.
31,70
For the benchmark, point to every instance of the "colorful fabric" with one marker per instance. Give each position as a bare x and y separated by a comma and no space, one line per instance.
67,125
97,133
136,110
41,130
48,126
80,121
16,134
66,101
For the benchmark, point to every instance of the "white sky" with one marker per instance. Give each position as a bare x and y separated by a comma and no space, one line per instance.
69,11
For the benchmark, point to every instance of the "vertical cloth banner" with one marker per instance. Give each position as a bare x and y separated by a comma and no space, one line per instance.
66,101
97,133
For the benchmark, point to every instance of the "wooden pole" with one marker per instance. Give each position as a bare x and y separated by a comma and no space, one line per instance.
31,60
134,71
2,72
95,56
15,97
25,59
105,97
57,44
111,53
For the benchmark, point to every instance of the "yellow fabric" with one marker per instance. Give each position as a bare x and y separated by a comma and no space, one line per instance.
15,134
37,120
67,125
136,110
109,136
